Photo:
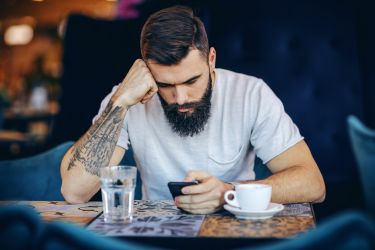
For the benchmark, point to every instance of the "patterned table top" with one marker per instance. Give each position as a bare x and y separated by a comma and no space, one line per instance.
162,218
80,214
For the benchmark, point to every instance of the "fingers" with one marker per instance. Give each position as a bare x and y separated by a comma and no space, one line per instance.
148,96
206,186
209,205
138,85
201,211
203,198
153,89
197,198
138,66
139,63
197,175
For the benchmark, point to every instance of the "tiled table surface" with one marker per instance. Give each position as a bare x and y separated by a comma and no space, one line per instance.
294,219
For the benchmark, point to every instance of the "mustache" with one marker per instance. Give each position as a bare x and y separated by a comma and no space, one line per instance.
194,105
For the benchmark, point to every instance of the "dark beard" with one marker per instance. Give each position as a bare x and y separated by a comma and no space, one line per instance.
186,123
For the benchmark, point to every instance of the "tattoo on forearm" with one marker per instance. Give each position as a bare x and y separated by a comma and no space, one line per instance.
94,150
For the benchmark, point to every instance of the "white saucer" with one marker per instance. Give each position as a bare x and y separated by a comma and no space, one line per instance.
272,209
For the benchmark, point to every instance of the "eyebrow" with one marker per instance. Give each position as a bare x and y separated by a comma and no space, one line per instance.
187,81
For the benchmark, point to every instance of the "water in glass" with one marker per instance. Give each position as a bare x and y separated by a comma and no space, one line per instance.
118,196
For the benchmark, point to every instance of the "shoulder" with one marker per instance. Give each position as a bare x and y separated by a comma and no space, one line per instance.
238,83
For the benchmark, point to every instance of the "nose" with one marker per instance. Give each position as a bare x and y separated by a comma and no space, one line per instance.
180,95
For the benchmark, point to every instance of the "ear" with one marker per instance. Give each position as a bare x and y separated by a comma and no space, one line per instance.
212,59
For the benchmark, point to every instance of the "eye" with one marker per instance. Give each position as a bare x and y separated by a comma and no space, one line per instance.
191,82
163,85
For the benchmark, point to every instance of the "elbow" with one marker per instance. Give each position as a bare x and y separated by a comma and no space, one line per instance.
72,197
320,197
320,193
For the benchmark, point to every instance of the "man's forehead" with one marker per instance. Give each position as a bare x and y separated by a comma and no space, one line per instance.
192,65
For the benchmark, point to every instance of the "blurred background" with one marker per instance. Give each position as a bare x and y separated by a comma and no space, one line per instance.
58,59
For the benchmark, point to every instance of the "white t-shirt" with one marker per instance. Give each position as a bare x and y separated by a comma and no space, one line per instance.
246,119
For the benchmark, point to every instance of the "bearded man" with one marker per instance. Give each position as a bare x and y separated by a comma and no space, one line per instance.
187,120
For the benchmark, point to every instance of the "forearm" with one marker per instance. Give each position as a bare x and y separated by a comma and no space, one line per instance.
93,151
295,184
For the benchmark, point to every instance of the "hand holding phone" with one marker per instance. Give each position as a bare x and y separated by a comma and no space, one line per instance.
175,187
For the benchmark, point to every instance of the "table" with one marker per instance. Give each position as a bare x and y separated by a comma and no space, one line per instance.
150,217
80,214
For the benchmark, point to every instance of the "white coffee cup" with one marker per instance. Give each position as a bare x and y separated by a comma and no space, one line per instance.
250,197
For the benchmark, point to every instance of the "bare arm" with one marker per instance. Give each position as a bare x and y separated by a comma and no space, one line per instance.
296,178
81,164
97,147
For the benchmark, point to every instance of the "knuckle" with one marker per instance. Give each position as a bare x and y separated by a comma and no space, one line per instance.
136,63
150,84
216,203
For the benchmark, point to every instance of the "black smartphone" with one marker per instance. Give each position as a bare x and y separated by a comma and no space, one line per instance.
175,187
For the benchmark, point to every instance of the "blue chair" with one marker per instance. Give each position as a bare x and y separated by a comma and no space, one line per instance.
22,228
363,144
33,178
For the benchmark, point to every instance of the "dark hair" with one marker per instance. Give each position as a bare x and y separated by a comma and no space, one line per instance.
169,34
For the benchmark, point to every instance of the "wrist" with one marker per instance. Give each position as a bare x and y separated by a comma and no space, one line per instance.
229,186
233,184
120,102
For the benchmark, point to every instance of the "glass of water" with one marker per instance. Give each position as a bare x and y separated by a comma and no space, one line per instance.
118,185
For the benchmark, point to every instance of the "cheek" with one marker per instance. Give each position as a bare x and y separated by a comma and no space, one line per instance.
196,93
167,95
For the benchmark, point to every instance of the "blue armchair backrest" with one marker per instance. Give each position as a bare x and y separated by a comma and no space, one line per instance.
363,144
33,178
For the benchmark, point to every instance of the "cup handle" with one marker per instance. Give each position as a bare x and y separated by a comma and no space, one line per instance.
232,202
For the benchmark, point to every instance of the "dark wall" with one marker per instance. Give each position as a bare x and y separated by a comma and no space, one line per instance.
307,52
97,55
366,41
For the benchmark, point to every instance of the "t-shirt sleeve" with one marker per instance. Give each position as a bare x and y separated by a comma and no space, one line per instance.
273,130
123,140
